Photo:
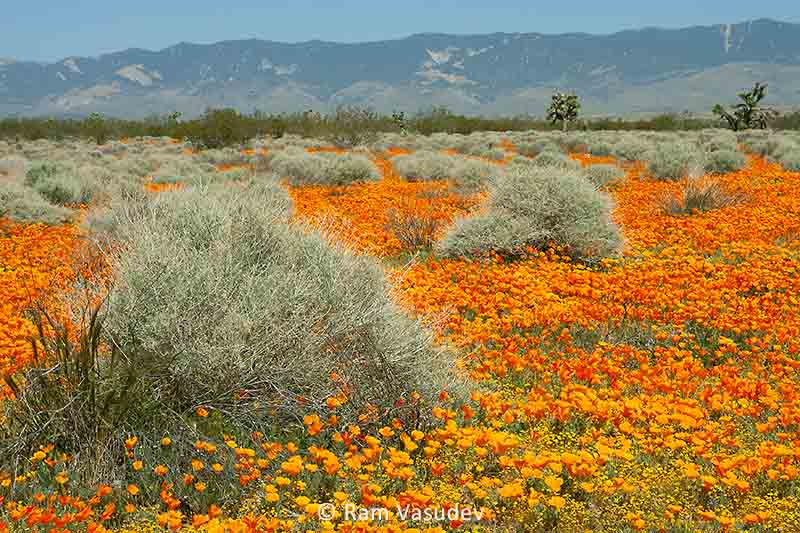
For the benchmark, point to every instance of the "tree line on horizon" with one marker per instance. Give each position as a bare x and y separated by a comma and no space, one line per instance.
350,125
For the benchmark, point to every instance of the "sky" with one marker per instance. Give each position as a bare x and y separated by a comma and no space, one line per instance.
51,30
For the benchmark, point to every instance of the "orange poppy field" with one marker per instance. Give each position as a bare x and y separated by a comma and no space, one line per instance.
655,391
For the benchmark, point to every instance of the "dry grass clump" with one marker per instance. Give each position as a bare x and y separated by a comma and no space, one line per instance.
537,208
699,196
414,223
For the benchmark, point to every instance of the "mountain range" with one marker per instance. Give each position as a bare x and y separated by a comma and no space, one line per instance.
631,72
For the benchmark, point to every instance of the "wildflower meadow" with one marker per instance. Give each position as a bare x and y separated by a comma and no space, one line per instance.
521,331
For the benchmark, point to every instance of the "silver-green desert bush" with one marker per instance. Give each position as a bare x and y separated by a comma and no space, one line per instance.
222,156
67,188
236,174
126,200
350,168
142,166
674,160
218,293
169,178
535,148
296,165
486,151
13,167
70,183
602,175
40,170
424,165
575,144
724,160
537,207
302,168
772,146
721,142
553,159
600,148
24,205
783,148
631,148
181,169
520,161
791,160
470,175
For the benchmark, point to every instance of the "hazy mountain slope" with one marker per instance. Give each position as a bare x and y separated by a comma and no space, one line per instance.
648,70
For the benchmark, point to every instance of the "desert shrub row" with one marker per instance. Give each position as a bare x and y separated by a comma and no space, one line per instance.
347,126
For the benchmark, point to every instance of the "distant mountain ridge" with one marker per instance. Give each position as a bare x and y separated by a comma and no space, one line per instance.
634,71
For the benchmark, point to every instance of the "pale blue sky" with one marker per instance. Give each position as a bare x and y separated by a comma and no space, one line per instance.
49,30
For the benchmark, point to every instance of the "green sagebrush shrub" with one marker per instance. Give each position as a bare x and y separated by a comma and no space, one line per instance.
674,160
552,159
631,148
217,301
247,302
470,175
602,175
302,168
424,165
723,161
24,205
537,207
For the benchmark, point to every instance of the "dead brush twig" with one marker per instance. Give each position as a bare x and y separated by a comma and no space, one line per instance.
699,196
414,223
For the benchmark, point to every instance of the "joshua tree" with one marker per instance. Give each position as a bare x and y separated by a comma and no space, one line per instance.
399,118
748,113
96,127
564,108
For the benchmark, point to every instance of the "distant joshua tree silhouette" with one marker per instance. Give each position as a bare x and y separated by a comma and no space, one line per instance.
564,108
749,113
